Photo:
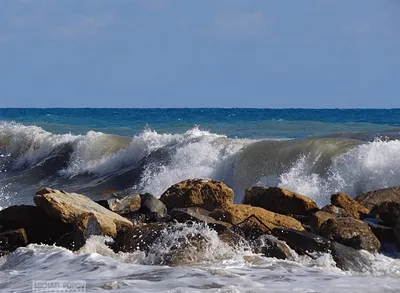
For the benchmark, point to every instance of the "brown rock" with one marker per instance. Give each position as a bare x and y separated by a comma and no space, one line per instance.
388,212
351,206
205,193
320,217
351,232
39,227
237,213
11,240
279,200
68,207
338,212
375,197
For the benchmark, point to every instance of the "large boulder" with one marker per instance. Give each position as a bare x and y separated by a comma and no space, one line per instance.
39,227
205,193
140,237
351,232
375,197
320,217
254,221
279,200
68,207
349,259
351,206
11,240
270,246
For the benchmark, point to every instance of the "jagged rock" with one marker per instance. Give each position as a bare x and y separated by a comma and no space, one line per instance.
302,241
139,237
375,197
124,205
270,246
279,200
204,193
198,215
339,212
253,228
351,232
152,206
39,227
388,212
351,206
11,240
86,225
67,207
349,259
320,217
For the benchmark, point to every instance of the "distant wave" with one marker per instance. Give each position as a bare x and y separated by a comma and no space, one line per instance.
151,162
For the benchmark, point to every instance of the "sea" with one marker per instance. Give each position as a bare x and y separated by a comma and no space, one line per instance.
315,152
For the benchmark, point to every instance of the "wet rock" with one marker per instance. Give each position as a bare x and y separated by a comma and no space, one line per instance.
11,240
351,206
320,217
338,212
384,234
140,237
270,246
351,232
39,227
3,253
198,215
205,193
232,238
279,200
375,197
396,232
349,259
124,205
302,241
388,212
261,222
152,206
68,207
86,225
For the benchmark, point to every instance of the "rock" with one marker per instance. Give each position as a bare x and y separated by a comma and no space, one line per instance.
384,234
279,200
231,238
124,205
320,217
375,197
198,215
388,212
270,246
351,232
86,225
396,232
349,259
152,206
302,242
204,193
253,228
68,207
140,237
3,253
11,240
39,227
351,206
338,212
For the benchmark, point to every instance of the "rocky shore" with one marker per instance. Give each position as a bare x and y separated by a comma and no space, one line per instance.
270,221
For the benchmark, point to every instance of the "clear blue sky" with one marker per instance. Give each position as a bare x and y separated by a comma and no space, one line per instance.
203,53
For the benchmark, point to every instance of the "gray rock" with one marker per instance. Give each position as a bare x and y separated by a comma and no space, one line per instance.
376,197
271,246
122,206
153,206
349,259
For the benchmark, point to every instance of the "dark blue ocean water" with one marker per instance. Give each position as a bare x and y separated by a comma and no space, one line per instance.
241,123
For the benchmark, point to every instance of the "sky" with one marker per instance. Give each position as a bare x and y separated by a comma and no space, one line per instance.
200,53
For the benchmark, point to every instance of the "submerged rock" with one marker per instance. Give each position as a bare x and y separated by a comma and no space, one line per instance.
39,227
279,200
11,240
270,246
375,197
205,193
351,232
258,220
351,206
68,207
